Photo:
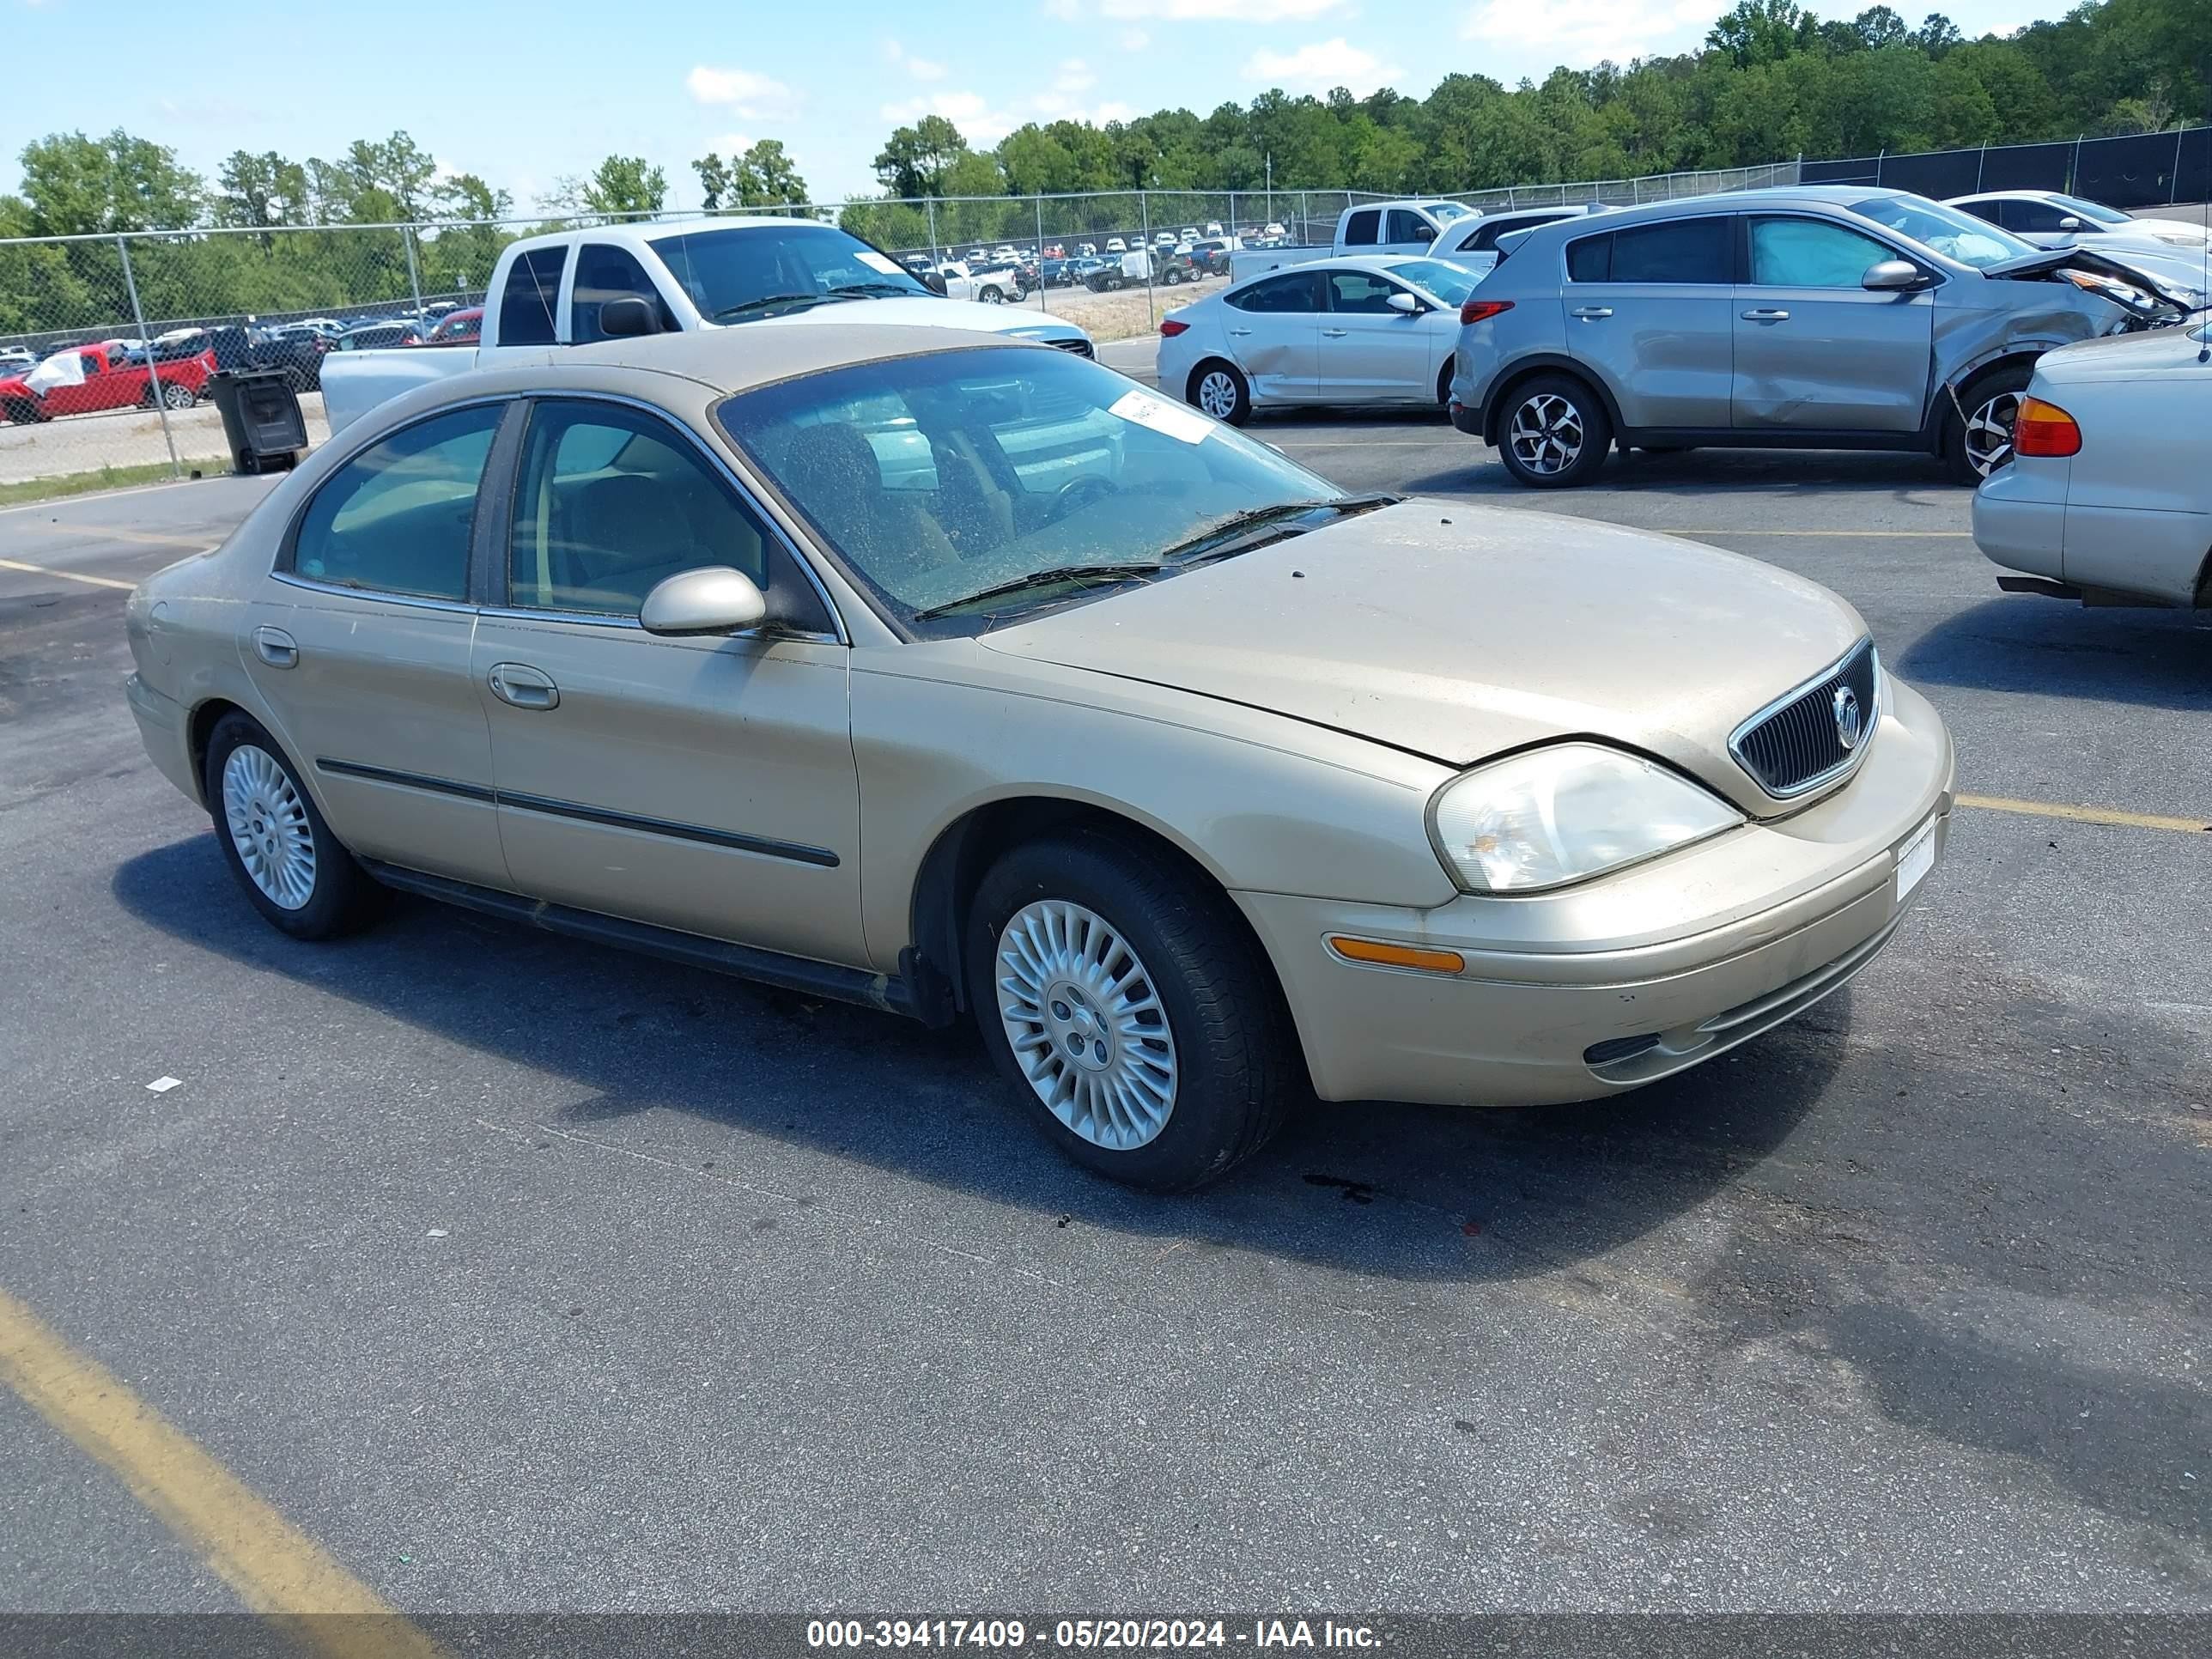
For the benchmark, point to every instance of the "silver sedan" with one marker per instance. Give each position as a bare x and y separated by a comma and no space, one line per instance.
1374,329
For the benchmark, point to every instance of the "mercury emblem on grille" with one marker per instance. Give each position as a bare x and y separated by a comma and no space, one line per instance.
1849,719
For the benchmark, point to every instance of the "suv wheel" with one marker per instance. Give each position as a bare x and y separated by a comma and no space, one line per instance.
1981,422
1555,433
1120,996
991,296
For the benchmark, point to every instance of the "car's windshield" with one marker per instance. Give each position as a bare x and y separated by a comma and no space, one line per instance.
2091,210
1437,279
938,478
1444,212
739,272
1946,230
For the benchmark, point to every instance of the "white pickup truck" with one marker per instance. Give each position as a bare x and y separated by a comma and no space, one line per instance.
990,284
563,289
1408,227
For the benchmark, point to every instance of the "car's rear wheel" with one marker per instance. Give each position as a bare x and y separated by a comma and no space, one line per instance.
1556,433
1221,390
292,867
1981,424
1122,997
991,296
177,395
21,411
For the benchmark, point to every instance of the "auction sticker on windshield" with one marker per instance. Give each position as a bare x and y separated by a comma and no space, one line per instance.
875,261
1186,425
1916,860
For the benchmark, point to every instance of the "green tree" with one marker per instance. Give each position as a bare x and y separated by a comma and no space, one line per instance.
73,186
914,161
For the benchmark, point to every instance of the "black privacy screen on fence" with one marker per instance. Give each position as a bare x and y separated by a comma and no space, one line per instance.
2144,169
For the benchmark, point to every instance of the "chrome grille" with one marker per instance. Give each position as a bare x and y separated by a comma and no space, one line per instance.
1796,742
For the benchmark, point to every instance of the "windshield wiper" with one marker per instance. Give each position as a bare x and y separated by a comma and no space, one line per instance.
746,306
862,289
1206,542
1128,570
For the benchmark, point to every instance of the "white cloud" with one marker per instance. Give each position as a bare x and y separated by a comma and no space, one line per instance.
1219,11
756,97
1074,75
1135,40
1582,32
978,122
1317,68
925,69
1054,107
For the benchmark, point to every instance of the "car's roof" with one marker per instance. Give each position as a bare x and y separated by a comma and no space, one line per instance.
655,230
1730,201
758,354
2003,196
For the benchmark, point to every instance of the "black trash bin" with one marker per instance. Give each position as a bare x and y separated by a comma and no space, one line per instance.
262,425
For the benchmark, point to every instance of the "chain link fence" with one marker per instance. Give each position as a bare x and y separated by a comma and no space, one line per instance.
107,342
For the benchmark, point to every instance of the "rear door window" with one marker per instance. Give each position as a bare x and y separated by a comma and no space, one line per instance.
397,517
1298,291
531,300
1682,251
1362,229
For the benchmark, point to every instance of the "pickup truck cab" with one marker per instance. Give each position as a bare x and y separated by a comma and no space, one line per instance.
992,285
550,291
86,379
1408,227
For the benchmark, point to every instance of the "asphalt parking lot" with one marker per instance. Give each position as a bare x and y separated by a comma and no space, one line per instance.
517,1275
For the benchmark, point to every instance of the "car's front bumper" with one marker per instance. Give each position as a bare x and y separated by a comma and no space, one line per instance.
1623,980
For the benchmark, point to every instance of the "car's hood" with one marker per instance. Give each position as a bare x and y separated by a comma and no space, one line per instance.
1460,632
929,311
2160,271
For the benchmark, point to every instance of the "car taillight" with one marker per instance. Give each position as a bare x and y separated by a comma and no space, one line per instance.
2042,428
1481,310
1170,328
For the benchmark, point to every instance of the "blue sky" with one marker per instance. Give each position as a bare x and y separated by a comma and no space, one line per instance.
526,93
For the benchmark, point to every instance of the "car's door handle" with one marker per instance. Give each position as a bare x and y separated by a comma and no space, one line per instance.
1757,315
276,647
1591,313
1334,333
519,684
1240,332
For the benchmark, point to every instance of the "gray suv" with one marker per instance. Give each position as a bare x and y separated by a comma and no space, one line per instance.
1817,317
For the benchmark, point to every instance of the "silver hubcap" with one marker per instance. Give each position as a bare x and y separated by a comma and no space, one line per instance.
1989,433
1216,394
1086,1024
992,296
1547,434
178,395
269,826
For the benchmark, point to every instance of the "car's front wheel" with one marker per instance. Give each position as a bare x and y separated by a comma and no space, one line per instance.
293,868
991,296
1218,388
1124,1000
1981,424
1556,433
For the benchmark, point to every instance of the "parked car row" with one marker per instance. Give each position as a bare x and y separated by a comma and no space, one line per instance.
1812,317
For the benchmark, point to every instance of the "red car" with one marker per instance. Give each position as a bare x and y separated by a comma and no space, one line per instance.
111,380
462,327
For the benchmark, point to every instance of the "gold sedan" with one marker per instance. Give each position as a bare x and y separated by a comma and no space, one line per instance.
963,678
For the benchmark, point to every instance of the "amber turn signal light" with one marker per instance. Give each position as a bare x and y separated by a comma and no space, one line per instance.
1382,954
2042,428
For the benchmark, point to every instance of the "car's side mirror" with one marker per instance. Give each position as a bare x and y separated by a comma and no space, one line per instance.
1405,304
713,600
627,316
2070,223
1893,275
934,282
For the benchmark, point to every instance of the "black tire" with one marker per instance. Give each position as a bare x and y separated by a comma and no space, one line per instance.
20,413
342,896
1237,1065
1561,410
1991,398
1240,410
1443,385
991,296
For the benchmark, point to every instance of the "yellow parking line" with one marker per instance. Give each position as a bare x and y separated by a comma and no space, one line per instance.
277,1570
151,538
2040,809
65,575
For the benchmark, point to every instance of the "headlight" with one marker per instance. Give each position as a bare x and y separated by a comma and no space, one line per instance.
1564,814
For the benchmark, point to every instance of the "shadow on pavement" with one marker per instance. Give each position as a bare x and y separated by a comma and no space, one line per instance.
2023,642
1378,1189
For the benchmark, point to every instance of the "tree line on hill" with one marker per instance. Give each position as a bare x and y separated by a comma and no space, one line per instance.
1771,81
